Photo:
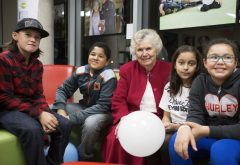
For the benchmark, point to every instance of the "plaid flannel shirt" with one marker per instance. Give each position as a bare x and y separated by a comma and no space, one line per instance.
21,84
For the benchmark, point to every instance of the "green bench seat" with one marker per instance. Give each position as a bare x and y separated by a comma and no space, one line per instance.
10,149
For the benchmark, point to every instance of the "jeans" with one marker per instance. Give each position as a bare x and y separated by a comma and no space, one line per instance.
221,151
93,128
30,134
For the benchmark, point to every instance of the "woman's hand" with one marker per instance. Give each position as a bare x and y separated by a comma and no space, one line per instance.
48,121
171,127
198,130
183,139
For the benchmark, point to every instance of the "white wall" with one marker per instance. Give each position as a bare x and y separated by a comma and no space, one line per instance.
46,17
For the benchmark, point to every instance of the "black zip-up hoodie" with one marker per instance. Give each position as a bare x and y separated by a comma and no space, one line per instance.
216,106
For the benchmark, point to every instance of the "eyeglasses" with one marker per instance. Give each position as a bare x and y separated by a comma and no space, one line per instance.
227,58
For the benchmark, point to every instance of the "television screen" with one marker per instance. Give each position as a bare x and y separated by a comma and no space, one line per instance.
103,17
175,14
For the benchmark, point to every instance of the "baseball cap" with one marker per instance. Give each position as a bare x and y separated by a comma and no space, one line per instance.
31,23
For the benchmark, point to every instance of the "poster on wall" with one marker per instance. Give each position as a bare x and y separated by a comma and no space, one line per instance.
197,13
27,9
103,17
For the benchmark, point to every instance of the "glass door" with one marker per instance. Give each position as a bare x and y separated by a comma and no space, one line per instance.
60,32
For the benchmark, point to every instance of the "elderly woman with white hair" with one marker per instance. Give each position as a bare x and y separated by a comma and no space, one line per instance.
140,87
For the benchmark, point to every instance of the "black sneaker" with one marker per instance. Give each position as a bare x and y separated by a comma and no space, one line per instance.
204,8
215,5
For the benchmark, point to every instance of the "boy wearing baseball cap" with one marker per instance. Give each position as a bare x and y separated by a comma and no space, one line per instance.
23,108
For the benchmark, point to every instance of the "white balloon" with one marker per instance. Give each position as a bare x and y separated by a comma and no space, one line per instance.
141,133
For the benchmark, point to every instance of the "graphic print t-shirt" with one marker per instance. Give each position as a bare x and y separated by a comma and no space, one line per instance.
177,105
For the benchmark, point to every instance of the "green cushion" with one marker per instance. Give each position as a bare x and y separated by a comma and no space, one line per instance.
10,149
